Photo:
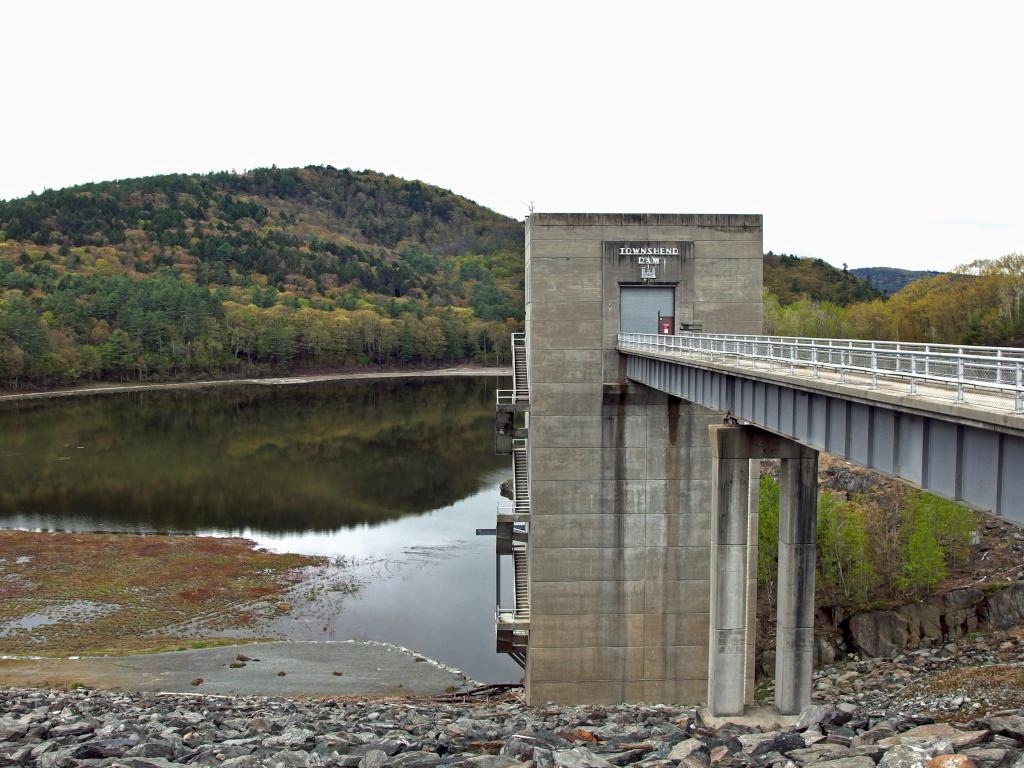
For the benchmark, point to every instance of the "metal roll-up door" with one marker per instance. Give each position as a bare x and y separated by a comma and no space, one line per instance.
640,307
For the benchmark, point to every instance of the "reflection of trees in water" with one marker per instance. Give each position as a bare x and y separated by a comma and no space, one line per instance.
287,458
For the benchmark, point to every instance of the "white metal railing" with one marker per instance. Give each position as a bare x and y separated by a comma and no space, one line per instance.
515,613
506,397
519,511
999,369
520,371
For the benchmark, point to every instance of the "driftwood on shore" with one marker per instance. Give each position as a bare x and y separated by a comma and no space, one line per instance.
479,692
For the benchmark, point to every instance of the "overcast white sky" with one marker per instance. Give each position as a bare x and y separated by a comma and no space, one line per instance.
872,133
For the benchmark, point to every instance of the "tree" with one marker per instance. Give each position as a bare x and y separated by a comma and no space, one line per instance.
925,561
844,561
768,532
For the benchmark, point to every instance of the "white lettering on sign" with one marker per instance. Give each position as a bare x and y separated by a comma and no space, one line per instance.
648,257
648,251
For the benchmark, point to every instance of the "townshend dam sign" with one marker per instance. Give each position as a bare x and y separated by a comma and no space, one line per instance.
643,398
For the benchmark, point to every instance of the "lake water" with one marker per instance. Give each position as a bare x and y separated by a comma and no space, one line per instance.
392,476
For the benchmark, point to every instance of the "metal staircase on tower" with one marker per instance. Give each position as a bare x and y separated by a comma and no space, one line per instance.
520,478
520,373
512,620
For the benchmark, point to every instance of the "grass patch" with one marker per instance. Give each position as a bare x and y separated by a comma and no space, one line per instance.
146,585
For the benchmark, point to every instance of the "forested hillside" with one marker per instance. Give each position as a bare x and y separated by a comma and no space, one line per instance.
185,276
978,303
888,280
791,278
284,269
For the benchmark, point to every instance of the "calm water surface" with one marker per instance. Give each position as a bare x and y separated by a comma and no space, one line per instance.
394,474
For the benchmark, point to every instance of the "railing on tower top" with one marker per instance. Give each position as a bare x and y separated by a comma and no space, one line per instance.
996,369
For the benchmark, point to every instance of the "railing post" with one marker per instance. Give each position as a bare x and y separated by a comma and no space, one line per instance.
1018,395
913,374
960,378
874,367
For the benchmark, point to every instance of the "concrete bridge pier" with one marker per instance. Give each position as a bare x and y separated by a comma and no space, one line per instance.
734,568
794,627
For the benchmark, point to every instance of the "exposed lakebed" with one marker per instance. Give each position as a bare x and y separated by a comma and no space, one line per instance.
388,479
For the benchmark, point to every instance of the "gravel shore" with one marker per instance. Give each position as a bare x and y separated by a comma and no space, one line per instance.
884,715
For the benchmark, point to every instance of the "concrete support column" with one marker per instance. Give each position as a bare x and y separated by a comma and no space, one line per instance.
736,451
753,516
794,642
727,659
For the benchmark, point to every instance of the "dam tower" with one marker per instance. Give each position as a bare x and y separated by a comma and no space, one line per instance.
643,399
612,529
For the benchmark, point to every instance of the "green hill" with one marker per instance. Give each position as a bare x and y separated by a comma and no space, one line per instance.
791,278
889,280
186,275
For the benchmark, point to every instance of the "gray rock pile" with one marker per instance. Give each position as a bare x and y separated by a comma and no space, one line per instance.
60,729
960,680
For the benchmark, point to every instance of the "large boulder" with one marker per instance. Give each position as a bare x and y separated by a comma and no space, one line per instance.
951,761
879,633
933,733
1006,725
1005,607
904,756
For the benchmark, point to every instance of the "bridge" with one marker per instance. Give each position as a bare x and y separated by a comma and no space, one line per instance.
946,418
644,397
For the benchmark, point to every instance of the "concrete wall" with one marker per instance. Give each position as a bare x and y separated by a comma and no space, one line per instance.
621,474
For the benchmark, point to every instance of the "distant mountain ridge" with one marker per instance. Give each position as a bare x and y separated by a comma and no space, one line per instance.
889,280
791,278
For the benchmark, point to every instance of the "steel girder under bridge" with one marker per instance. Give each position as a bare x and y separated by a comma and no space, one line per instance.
947,419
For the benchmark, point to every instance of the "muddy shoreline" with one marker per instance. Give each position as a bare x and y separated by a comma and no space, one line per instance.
103,389
166,592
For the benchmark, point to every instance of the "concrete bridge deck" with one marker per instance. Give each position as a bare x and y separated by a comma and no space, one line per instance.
961,439
997,399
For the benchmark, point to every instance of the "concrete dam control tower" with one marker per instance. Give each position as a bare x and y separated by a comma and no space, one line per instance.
630,585
643,397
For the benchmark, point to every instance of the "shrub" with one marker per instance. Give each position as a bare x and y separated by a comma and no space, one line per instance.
844,563
938,537
768,532
925,564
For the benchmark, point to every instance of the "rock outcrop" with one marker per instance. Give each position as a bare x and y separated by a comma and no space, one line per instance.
933,622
